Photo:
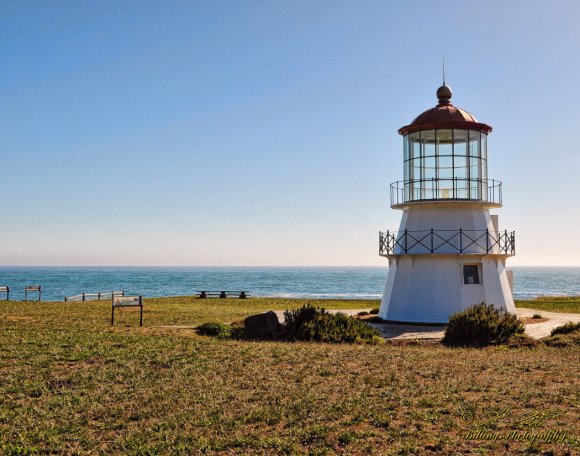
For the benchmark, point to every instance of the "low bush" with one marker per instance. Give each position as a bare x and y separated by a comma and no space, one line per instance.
522,340
481,325
374,311
566,329
562,341
310,323
215,329
536,316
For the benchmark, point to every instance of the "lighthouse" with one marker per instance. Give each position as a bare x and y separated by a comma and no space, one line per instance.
449,252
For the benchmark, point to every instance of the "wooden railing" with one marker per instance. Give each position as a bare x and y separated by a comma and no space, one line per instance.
94,296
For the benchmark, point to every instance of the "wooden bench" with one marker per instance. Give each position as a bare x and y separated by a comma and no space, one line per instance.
7,291
222,294
32,289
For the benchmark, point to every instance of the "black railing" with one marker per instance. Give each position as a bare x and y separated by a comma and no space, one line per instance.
441,189
447,242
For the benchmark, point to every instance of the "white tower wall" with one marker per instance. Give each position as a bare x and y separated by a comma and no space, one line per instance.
429,288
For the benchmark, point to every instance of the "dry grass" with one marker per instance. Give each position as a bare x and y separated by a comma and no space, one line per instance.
69,383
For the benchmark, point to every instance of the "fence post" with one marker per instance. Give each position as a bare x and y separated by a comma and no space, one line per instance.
83,297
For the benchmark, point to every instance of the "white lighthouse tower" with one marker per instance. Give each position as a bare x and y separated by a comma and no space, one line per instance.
449,252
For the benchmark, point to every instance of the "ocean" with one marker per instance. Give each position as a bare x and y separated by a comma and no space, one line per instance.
291,282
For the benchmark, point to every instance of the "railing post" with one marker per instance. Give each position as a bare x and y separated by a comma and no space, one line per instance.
487,240
506,242
460,240
431,241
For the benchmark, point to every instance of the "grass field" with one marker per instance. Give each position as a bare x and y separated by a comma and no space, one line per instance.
69,383
553,304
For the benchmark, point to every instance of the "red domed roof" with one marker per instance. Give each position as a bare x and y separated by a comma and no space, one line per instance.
444,115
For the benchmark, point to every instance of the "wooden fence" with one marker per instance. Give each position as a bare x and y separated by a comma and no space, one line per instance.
94,296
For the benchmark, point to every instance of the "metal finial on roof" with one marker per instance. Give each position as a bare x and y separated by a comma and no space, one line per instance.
444,93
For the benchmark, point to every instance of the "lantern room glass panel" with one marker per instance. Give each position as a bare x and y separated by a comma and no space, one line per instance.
412,186
445,164
460,139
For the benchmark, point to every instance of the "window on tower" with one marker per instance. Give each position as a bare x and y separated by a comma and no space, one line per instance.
471,274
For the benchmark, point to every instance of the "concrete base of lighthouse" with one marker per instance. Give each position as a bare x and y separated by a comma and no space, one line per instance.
429,288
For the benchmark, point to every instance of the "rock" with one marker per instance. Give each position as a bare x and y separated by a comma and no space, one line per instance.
263,326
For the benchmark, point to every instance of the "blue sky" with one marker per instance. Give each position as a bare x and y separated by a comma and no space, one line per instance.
265,133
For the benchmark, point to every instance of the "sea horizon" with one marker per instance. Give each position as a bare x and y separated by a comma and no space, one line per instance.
314,282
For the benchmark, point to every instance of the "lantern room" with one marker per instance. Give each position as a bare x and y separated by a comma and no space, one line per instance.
445,157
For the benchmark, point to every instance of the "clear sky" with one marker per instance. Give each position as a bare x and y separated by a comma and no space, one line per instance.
265,132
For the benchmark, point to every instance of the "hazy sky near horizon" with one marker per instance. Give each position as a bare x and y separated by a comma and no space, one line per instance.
265,133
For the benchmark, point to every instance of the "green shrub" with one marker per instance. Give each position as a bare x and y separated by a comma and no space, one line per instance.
522,340
566,329
309,323
481,325
374,311
215,329
536,316
561,341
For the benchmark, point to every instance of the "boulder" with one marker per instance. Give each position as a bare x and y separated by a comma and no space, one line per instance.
263,326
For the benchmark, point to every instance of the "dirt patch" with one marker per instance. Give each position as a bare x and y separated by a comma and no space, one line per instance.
19,318
531,321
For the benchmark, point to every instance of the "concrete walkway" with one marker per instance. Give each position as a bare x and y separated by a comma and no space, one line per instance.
397,331
543,329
